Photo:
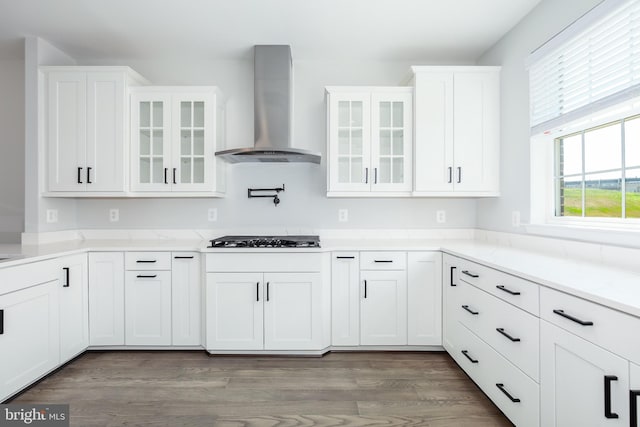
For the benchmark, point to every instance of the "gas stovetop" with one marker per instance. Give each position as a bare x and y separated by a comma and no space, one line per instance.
265,242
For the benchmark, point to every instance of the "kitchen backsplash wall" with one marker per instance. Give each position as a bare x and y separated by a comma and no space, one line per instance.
303,204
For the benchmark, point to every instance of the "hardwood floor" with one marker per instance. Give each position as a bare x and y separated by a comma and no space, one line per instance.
139,388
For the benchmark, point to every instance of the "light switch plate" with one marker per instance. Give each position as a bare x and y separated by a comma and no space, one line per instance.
52,215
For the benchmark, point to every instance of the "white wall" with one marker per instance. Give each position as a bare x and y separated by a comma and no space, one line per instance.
546,20
304,204
11,149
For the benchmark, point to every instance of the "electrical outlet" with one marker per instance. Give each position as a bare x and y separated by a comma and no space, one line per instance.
441,217
212,214
52,215
343,215
114,215
515,218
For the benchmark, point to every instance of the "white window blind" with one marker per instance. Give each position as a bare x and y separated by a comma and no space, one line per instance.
596,68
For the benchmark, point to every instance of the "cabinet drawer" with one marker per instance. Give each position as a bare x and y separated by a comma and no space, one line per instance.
264,262
515,290
608,328
147,261
509,388
512,332
383,260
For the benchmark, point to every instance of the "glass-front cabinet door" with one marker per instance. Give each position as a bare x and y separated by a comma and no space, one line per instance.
391,141
349,139
150,163
193,118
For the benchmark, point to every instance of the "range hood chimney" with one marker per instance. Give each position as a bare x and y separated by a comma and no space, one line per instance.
273,111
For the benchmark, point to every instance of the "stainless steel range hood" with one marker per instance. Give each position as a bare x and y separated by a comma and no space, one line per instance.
273,111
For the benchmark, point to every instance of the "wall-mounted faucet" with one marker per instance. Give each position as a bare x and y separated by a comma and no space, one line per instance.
276,199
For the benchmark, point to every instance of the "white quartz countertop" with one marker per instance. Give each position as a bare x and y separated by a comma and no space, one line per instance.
607,285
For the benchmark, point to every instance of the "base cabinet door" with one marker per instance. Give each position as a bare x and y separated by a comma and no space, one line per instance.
581,384
424,298
185,298
634,395
106,298
74,306
449,299
292,311
345,299
234,310
147,304
29,337
383,308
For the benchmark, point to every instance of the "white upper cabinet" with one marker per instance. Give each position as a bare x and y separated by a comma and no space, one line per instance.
175,134
369,141
457,131
87,128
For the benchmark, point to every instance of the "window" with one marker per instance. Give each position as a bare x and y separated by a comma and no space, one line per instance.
597,171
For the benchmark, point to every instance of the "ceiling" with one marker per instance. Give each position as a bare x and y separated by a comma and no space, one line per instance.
379,30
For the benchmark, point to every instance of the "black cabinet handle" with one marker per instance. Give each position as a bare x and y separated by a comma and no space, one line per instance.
183,257
502,332
450,175
174,175
365,288
89,176
509,291
470,274
267,291
451,277
146,276
506,393
366,175
257,291
459,174
346,257
607,396
66,277
382,260
633,407
1,322
466,307
573,319
79,175
146,261
375,175
471,359
165,175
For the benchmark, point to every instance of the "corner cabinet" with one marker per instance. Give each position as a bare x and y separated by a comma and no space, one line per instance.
175,134
87,130
457,131
370,133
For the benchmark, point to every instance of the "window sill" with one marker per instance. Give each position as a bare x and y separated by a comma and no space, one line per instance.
627,235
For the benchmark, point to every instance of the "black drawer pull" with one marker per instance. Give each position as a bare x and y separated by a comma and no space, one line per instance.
258,291
267,291
346,257
506,393
1,322
382,260
633,407
66,277
502,332
365,288
79,175
451,277
607,396
466,307
183,257
146,276
470,274
146,261
509,291
471,359
89,176
573,319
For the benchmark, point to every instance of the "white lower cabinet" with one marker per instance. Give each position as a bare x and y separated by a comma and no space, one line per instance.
147,308
345,299
186,315
424,298
634,394
29,335
74,306
106,298
264,311
581,384
383,308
